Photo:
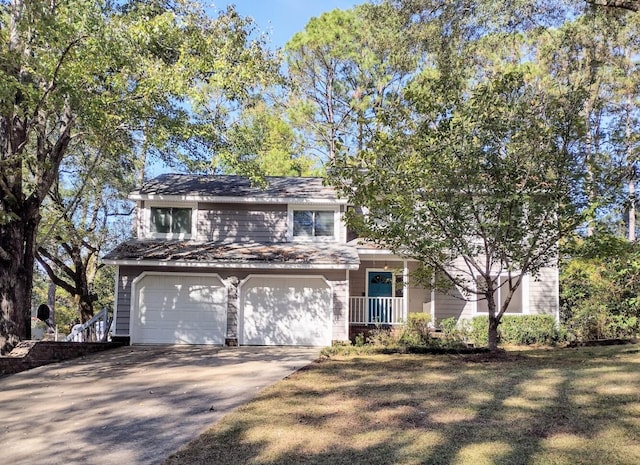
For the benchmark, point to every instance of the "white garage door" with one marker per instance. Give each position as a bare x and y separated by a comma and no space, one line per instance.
277,310
179,309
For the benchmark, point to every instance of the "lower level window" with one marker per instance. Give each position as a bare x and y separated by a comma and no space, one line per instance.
170,220
308,223
501,294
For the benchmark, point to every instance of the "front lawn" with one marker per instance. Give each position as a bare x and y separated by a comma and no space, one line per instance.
563,406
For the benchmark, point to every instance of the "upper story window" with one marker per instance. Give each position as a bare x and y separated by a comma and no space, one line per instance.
170,221
311,224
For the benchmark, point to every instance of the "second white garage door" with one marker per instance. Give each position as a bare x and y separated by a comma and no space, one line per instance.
179,309
279,310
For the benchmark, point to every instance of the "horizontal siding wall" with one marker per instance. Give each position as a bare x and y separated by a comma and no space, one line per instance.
543,292
451,304
123,303
242,222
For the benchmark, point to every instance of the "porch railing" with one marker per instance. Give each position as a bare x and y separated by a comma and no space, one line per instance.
376,310
94,330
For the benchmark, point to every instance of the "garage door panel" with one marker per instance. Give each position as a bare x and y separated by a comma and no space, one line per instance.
175,309
286,311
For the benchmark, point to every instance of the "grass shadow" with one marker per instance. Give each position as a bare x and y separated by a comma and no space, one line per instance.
567,406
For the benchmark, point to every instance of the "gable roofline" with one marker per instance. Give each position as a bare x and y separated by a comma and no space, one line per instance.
237,189
237,199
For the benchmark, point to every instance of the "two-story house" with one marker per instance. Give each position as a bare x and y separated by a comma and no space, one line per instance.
218,261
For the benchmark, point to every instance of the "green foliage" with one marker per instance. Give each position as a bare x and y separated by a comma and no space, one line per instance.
599,288
517,329
417,330
458,177
529,329
448,326
479,331
385,338
117,78
453,330
262,142
343,67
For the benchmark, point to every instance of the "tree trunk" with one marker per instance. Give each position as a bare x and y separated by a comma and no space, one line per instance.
493,333
51,303
631,172
17,240
85,305
493,319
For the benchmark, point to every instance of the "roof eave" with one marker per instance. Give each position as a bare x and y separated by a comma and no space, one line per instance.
234,199
232,264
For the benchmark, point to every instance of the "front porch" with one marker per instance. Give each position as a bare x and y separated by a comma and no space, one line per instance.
377,310
381,294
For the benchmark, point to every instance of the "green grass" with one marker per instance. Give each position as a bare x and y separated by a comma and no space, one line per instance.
563,406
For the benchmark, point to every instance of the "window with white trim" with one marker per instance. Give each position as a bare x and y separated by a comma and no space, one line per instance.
516,304
170,221
314,224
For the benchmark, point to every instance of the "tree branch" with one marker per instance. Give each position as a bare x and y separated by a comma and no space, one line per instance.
631,5
52,275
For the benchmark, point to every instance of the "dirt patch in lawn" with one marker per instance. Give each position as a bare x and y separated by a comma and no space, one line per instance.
569,406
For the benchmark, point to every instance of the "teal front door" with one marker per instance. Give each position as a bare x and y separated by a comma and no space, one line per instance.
380,284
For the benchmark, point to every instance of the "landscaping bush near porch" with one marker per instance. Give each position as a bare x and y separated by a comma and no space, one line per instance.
539,407
513,329
419,336
529,329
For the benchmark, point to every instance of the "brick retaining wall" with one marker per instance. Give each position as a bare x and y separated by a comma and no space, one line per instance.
32,354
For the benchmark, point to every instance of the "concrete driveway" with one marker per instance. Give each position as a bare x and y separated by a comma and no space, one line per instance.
132,405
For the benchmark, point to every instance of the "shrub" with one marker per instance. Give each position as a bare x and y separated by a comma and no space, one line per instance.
599,288
417,330
384,338
449,328
592,322
528,329
623,326
479,331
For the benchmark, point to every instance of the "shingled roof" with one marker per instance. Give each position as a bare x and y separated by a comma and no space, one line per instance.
186,253
235,186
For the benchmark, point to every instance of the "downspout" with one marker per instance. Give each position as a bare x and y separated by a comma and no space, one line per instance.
405,291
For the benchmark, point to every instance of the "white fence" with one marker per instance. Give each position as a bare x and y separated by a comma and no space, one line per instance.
94,330
376,310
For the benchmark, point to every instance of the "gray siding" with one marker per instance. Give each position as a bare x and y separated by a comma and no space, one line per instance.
451,304
123,303
242,222
543,292
540,296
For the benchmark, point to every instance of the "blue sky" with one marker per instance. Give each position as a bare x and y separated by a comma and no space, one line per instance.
283,18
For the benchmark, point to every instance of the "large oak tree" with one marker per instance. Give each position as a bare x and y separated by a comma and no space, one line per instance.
100,74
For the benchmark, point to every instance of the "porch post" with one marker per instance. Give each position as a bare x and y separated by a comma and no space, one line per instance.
405,291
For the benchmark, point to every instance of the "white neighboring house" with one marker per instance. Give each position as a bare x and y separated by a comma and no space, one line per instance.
219,261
